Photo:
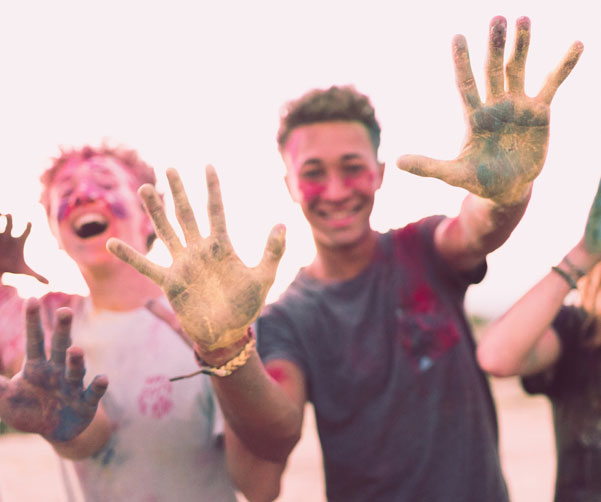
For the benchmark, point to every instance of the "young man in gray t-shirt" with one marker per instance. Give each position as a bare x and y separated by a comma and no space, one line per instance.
373,330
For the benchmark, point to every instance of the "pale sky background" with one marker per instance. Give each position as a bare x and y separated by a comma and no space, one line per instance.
191,83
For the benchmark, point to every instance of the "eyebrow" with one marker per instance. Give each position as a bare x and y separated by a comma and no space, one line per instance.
318,161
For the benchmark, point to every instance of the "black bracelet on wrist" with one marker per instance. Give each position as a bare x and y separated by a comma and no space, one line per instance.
566,277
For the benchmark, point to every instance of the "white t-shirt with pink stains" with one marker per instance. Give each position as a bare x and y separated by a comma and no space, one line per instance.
167,441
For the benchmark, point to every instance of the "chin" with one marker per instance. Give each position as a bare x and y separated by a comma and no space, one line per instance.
342,240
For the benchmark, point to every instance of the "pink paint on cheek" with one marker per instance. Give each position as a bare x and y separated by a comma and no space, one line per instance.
365,181
310,190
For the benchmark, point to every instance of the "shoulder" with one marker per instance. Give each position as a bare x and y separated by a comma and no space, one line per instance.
420,229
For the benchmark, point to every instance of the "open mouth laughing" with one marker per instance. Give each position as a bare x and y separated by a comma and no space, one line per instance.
90,225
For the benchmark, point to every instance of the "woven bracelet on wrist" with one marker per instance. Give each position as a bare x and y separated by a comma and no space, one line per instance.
566,277
225,369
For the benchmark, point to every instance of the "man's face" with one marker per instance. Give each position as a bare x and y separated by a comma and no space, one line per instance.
333,173
92,200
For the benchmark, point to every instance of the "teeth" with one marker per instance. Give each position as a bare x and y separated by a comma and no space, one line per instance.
89,218
338,215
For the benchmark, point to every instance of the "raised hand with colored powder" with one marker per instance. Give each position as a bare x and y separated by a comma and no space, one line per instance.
214,295
12,258
47,397
508,134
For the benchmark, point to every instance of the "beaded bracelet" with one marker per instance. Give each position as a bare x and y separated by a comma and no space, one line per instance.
225,369
566,277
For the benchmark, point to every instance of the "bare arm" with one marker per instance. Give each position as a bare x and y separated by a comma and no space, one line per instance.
523,341
215,298
504,149
254,464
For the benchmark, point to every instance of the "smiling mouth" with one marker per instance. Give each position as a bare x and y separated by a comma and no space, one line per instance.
90,225
339,215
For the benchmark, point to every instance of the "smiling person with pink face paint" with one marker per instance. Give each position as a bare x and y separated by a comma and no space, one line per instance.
151,439
373,332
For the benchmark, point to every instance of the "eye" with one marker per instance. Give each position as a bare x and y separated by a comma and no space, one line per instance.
312,174
353,169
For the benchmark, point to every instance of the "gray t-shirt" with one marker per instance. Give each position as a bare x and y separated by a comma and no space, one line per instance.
403,411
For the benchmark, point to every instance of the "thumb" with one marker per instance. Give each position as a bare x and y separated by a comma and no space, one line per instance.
425,166
274,250
35,275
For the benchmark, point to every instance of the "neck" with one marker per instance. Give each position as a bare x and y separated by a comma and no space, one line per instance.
119,287
343,263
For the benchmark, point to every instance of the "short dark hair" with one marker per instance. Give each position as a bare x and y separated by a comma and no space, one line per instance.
128,158
324,105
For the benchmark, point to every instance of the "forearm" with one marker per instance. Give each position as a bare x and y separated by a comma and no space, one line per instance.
481,227
521,341
91,440
262,415
258,479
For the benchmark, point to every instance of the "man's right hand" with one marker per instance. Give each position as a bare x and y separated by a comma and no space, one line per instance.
12,258
214,295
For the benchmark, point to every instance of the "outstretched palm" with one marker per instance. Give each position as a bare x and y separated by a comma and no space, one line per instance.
507,136
47,397
214,295
12,258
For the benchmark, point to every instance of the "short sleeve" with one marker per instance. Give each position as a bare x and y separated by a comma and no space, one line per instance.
569,324
276,337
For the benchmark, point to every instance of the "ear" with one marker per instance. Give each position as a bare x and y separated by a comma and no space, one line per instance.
292,186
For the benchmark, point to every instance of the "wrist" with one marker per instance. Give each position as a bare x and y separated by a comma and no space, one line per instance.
581,258
516,196
219,356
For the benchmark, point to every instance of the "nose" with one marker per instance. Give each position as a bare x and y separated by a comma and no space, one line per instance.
336,188
85,192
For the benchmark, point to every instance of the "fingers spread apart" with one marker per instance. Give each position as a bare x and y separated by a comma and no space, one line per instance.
156,210
561,72
516,67
129,255
183,210
215,207
464,75
61,339
276,243
494,66
35,334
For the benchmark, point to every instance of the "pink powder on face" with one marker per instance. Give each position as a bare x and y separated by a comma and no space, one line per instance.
311,189
362,182
68,204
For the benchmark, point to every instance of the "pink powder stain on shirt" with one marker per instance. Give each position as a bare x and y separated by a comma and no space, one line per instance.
155,398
